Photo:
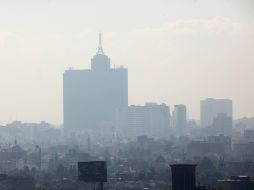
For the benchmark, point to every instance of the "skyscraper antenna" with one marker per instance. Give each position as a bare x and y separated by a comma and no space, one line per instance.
100,50
100,39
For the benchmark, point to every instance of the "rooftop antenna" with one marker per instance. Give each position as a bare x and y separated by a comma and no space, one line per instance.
100,50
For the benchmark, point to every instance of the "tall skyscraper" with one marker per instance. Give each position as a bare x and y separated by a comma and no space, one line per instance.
91,96
180,119
210,108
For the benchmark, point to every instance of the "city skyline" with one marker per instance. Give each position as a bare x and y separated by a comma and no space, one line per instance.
186,57
127,95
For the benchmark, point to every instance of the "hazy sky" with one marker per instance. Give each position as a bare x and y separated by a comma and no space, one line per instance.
177,51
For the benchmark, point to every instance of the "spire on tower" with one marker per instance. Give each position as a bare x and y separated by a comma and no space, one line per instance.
100,50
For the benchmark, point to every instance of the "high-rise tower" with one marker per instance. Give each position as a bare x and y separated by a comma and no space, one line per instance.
91,96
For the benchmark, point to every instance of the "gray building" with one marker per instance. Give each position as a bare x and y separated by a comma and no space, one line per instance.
152,120
180,119
210,108
90,97
222,124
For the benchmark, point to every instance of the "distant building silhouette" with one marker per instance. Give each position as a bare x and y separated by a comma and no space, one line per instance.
245,149
91,96
180,119
210,108
225,142
183,176
248,135
219,145
152,120
222,124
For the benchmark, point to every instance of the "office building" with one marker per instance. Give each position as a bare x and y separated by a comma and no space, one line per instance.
180,119
151,120
91,96
210,108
